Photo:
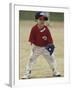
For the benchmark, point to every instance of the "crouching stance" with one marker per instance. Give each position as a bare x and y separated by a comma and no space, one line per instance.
42,44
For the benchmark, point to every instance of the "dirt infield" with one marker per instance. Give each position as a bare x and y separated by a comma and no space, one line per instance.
41,68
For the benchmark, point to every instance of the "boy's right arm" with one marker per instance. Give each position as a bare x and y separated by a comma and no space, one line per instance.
32,37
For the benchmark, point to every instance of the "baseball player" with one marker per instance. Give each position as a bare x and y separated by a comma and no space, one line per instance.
42,44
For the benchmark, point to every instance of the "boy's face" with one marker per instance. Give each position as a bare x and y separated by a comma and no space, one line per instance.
41,21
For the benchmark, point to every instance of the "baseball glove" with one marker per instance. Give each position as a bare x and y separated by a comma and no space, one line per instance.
50,48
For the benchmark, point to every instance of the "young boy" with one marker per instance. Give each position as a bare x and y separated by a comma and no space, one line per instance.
42,44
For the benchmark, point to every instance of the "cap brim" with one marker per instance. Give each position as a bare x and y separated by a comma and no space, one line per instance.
43,18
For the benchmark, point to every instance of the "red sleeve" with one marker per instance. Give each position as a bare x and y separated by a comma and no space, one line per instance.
32,36
50,40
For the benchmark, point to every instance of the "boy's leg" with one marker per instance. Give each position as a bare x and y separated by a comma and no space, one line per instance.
29,66
30,63
52,62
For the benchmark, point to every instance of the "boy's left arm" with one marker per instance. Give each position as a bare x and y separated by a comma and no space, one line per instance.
50,39
50,47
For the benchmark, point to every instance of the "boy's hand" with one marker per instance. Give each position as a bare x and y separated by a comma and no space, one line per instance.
50,48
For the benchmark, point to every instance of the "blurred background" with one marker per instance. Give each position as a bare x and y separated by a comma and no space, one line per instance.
29,15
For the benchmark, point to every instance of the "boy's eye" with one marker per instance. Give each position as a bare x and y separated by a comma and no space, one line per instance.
41,19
